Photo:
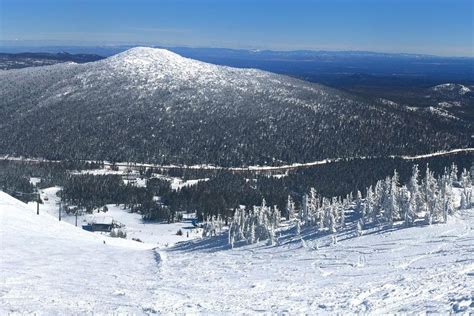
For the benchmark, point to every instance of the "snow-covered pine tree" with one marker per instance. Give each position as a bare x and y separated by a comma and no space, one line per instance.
429,195
416,201
369,207
405,207
290,208
466,184
359,206
334,210
386,201
444,200
342,207
313,207
379,199
303,208
395,197
325,207
252,238
453,174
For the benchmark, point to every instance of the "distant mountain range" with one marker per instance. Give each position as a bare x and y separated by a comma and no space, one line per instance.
152,105
23,60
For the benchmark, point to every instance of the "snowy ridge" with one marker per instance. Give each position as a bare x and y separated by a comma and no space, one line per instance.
452,87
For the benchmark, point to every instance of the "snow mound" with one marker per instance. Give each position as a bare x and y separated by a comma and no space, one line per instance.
452,87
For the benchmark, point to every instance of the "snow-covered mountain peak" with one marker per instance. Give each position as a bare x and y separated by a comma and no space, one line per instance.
147,61
147,69
150,55
150,68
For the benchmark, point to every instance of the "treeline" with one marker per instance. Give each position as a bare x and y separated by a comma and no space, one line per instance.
225,191
222,193
89,192
15,176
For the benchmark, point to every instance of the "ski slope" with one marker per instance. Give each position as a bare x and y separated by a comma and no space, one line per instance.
54,268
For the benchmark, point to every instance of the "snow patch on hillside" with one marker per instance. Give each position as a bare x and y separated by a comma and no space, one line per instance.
452,87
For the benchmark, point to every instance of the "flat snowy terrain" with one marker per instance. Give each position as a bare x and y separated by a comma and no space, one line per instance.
51,267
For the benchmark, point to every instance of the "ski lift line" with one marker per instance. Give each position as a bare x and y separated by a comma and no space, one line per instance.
36,194
19,192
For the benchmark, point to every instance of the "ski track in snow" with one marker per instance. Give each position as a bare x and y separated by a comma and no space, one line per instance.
411,270
54,268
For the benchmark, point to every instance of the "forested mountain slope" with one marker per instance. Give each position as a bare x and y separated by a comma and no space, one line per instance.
151,105
23,60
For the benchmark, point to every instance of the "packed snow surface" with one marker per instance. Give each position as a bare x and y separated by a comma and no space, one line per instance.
51,267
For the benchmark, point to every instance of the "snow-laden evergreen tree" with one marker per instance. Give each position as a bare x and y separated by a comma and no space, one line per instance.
333,214
416,201
303,209
212,226
290,208
258,224
379,200
405,206
342,214
359,206
430,195
313,207
325,209
444,202
427,200
466,194
251,233
395,197
454,174
369,207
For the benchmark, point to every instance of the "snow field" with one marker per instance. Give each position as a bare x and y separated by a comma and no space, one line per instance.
50,267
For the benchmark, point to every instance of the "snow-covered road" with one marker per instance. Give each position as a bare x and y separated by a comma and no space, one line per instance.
281,168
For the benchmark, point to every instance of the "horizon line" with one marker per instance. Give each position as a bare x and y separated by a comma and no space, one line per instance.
13,44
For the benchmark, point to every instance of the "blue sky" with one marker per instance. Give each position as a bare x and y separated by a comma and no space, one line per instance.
440,27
